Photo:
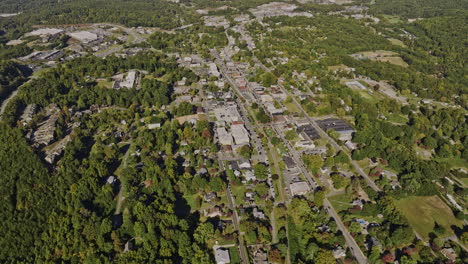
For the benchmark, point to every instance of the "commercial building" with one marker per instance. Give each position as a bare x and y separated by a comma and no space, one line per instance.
308,132
299,188
84,36
223,136
338,125
227,114
240,134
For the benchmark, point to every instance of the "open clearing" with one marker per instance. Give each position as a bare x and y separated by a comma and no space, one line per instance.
393,60
397,42
292,108
423,211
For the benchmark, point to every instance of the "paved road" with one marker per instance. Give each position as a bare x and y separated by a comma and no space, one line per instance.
235,220
349,239
297,159
355,249
6,101
120,197
11,96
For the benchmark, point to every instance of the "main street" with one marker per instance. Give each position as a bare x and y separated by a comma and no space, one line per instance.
356,251
235,219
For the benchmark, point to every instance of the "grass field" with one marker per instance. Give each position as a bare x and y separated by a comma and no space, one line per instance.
393,60
392,19
292,108
397,42
341,202
423,211
234,254
453,162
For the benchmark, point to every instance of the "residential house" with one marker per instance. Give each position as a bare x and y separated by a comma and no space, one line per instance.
222,256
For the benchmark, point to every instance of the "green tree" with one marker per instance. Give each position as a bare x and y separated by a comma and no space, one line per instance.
324,257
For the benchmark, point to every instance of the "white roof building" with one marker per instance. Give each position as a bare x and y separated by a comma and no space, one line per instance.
240,134
214,70
129,80
266,98
223,136
304,144
227,113
299,188
222,256
249,175
84,36
270,107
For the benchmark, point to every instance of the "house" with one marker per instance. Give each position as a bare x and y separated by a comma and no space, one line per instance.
260,256
358,203
350,145
202,171
449,253
249,175
154,125
214,211
233,165
111,179
208,197
258,214
250,195
299,188
222,256
364,224
244,164
339,252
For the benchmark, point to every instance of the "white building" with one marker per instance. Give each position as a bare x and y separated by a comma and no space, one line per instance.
84,36
249,176
299,188
223,136
306,144
129,80
214,70
227,114
240,134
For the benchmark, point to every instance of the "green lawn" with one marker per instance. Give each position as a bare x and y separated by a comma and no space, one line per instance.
453,162
397,118
341,202
234,255
239,194
191,201
393,19
292,107
423,211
